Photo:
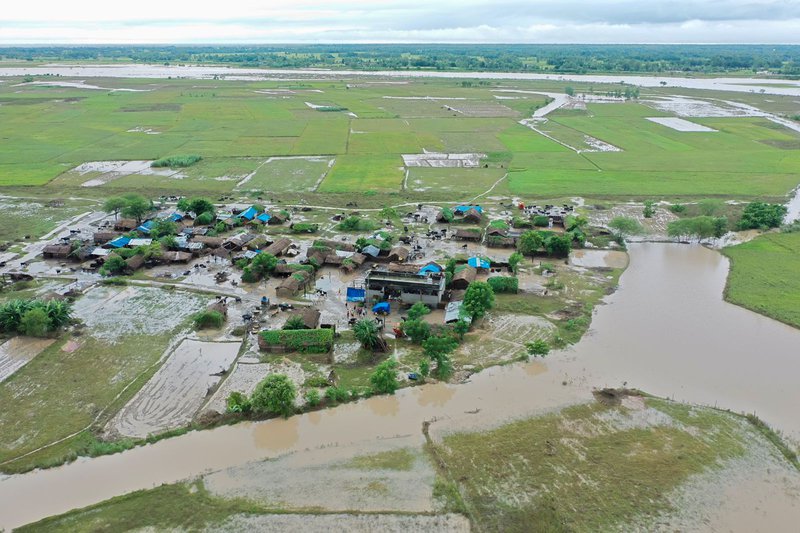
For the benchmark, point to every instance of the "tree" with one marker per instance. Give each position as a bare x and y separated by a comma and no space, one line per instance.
263,264
115,264
204,219
35,322
625,226
198,206
558,245
513,261
162,228
478,299
538,348
438,349
461,327
702,227
417,330
761,215
417,311
114,205
275,394
384,379
366,332
294,322
529,243
136,206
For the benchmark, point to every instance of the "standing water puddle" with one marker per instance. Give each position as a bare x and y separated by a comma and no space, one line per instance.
666,331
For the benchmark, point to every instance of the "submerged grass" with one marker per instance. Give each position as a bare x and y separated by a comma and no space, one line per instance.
590,467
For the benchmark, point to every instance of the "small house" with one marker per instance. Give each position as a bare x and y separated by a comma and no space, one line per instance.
310,317
176,257
463,277
125,224
210,242
102,237
398,254
293,284
467,235
473,215
56,251
134,262
276,219
278,247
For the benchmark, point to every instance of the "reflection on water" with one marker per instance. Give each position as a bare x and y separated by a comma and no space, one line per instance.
276,435
434,395
384,405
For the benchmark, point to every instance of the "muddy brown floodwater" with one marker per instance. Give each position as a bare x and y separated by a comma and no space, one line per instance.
666,331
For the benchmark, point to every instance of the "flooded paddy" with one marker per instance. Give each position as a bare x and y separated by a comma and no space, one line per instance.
173,395
599,259
16,352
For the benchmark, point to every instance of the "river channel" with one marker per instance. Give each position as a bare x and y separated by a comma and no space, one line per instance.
666,331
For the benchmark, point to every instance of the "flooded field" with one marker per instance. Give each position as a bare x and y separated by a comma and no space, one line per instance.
599,259
17,351
175,393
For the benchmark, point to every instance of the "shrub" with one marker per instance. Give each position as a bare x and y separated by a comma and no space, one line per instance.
541,221
514,260
336,395
529,243
447,214
275,395
384,379
204,219
176,161
35,322
761,215
417,311
677,208
208,319
366,332
356,223
238,402
649,209
558,245
312,397
417,330
294,322
304,227
503,284
317,382
538,348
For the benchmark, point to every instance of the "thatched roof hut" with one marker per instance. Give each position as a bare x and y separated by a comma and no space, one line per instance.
398,254
291,285
335,245
473,215
309,315
102,237
278,247
463,278
135,262
210,242
56,251
176,257
467,235
125,224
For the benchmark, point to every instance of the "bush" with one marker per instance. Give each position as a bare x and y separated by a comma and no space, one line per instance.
761,215
356,223
294,322
176,161
209,319
417,311
304,227
384,379
35,323
312,397
275,395
538,348
478,299
541,221
204,219
677,208
238,402
336,395
514,260
417,330
529,243
558,245
318,382
503,284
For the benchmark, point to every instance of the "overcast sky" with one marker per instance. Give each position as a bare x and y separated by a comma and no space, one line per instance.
454,21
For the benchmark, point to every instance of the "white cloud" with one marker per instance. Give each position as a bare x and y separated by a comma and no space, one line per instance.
512,21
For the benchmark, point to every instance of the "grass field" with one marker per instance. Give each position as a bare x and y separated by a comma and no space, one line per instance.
235,126
589,467
765,276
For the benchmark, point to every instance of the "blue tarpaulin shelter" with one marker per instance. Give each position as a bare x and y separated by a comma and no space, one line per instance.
381,307
356,295
264,217
176,217
249,213
464,208
145,228
478,262
430,267
120,242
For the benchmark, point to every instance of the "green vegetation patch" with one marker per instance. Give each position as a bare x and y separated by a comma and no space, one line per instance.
176,161
765,276
401,459
590,467
300,340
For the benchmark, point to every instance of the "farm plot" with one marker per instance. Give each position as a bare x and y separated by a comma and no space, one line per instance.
97,173
246,375
503,338
17,351
173,395
111,313
442,160
679,124
288,174
364,173
571,138
35,218
460,181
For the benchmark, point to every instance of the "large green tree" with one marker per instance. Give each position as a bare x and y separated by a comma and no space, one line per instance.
366,332
478,299
136,206
438,349
529,242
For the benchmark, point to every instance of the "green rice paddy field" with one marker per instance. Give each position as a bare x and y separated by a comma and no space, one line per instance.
47,131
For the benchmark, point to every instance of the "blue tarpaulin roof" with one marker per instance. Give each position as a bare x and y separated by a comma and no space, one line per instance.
145,228
356,295
465,208
430,267
249,213
381,307
120,242
478,262
264,217
176,217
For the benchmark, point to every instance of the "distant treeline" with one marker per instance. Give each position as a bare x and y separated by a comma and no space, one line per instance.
573,58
